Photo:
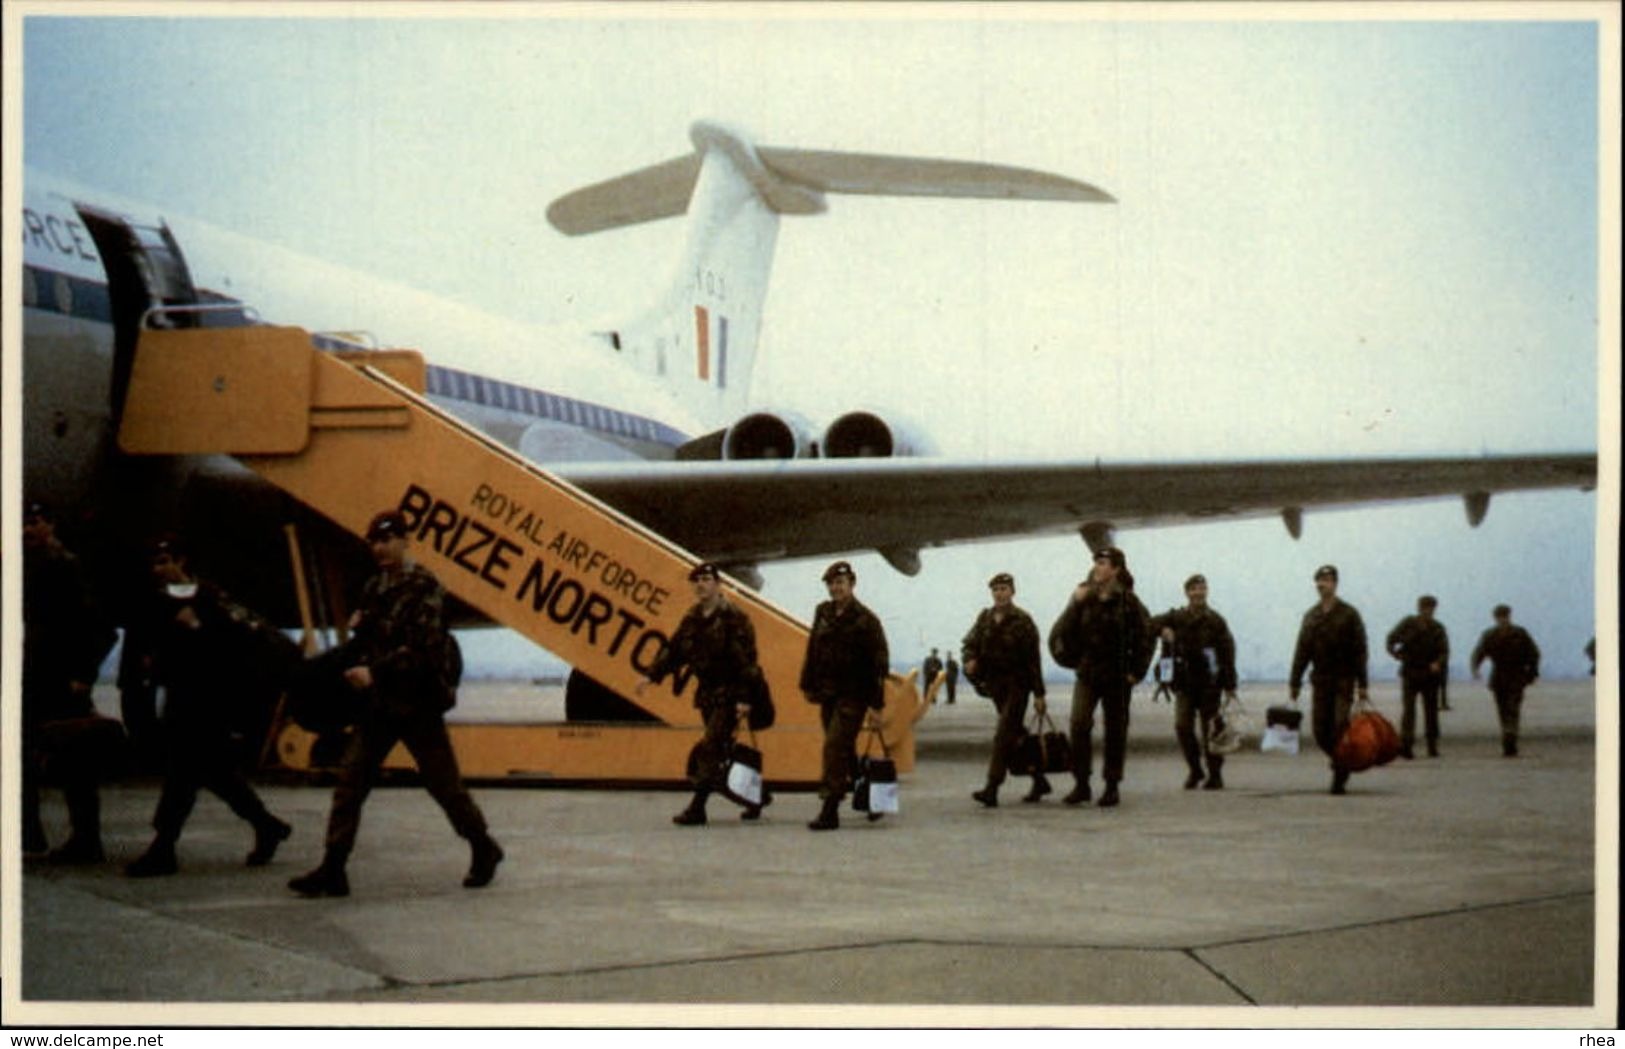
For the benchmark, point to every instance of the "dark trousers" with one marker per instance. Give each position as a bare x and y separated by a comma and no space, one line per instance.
1188,707
53,753
1508,704
843,720
425,737
1011,702
1425,686
710,754
197,760
79,792
1333,698
1114,699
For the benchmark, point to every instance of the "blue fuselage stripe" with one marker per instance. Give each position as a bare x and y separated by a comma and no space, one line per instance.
56,292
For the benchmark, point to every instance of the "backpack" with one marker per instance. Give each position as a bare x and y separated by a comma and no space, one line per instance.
760,698
1064,643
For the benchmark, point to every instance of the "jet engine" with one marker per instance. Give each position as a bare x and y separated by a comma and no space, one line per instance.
868,434
770,435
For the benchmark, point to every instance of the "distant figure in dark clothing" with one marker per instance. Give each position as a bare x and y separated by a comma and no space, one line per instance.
1515,664
952,670
1332,639
844,672
65,639
1104,634
1001,651
193,639
1422,646
718,644
930,669
1204,657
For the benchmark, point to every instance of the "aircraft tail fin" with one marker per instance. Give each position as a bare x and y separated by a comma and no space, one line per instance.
701,338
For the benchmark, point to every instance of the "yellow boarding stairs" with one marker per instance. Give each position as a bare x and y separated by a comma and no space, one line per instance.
350,433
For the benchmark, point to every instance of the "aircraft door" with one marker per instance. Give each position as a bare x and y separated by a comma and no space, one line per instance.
145,268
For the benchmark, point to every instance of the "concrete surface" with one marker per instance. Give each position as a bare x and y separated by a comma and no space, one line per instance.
1462,888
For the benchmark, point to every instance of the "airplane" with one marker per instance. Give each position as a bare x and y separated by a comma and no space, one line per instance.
654,417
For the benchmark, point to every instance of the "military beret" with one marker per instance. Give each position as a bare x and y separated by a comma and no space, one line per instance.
704,568
1326,572
1196,580
1427,601
1502,610
1002,579
1112,554
387,525
837,569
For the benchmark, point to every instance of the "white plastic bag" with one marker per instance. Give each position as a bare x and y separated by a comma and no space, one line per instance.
1279,738
1231,728
883,797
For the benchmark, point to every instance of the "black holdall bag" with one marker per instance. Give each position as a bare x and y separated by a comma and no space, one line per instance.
875,789
320,700
1285,715
1044,748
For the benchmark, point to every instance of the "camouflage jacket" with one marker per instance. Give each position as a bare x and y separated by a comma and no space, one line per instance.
1204,650
1333,642
401,636
718,649
1005,647
846,657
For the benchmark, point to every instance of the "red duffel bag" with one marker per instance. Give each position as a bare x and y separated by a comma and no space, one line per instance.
1369,740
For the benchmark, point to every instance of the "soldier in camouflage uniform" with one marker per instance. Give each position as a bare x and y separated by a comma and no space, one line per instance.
717,644
844,672
1001,653
1103,634
192,645
1516,664
1204,667
1422,647
1332,640
402,662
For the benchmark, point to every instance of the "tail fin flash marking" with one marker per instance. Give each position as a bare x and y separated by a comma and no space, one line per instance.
722,352
702,340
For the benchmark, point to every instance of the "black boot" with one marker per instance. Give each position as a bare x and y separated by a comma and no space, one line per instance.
829,817
328,879
1079,794
987,796
1193,779
269,832
1509,746
1041,787
1340,780
156,862
1214,781
482,864
1109,797
694,815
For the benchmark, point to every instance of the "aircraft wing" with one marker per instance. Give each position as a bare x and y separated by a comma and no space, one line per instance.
753,511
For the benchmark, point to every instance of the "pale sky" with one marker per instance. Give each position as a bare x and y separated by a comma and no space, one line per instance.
1334,238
